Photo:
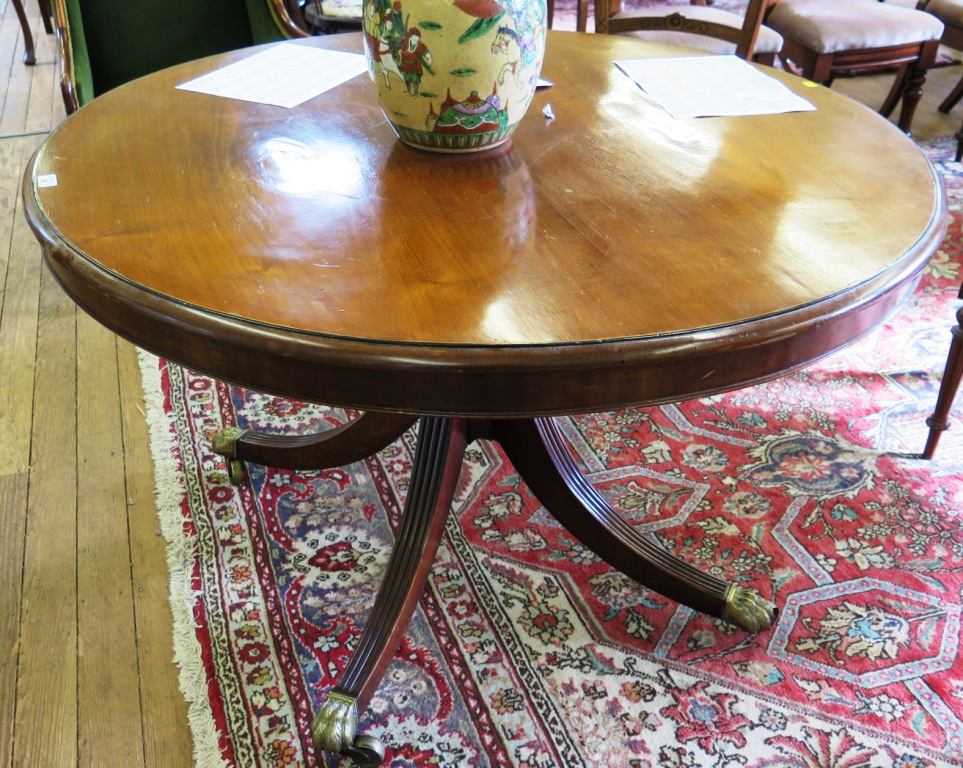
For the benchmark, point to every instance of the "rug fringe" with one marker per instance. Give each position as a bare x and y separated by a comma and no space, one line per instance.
169,492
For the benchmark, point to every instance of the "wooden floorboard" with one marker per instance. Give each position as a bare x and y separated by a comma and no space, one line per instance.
106,638
11,51
45,107
30,94
86,673
20,281
167,743
46,707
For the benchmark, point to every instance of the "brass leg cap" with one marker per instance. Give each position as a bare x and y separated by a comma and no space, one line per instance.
747,609
335,727
225,441
225,444
336,723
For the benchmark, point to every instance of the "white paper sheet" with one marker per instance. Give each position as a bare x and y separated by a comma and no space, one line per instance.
712,86
284,75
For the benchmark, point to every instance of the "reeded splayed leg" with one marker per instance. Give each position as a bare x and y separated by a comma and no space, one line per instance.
360,438
538,451
438,462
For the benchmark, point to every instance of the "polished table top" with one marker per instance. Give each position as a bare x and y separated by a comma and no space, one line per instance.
610,256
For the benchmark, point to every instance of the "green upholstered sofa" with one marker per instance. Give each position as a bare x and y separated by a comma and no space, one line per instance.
105,43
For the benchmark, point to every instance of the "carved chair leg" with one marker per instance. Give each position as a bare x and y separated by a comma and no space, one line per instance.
438,461
358,439
895,92
581,16
46,15
939,421
537,450
29,57
953,99
911,94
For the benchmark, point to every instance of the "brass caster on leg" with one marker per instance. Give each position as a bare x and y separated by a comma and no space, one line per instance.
235,471
336,723
366,751
747,609
225,444
335,727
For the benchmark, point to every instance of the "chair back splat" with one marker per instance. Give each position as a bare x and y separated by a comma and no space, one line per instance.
696,25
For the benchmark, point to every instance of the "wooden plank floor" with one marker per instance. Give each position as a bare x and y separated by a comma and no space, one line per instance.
86,676
85,629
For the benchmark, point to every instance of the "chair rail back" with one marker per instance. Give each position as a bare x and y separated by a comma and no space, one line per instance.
611,18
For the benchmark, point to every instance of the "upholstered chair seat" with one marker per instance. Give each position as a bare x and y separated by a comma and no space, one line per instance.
827,38
328,16
828,26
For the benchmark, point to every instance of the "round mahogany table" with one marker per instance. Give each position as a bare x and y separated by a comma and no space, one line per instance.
610,257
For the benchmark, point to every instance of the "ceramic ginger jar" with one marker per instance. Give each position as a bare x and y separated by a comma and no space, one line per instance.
454,75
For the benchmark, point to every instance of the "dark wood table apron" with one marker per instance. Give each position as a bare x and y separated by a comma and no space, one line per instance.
610,257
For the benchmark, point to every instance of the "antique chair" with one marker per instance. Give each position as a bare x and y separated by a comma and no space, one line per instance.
939,421
826,38
709,29
105,43
950,12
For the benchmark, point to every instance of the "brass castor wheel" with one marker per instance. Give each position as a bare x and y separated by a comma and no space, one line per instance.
235,471
366,751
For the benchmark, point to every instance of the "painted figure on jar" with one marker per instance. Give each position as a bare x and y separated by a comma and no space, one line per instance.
383,45
389,45
415,59
506,44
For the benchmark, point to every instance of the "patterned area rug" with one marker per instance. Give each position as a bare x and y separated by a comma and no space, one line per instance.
526,651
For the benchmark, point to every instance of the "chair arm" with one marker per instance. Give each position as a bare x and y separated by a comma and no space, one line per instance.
76,78
267,27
